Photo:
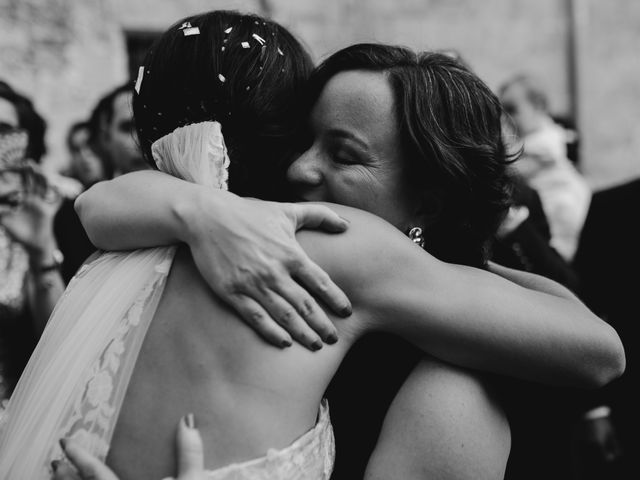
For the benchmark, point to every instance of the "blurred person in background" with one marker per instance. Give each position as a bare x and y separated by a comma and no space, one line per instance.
88,168
112,133
544,164
102,148
85,165
29,255
608,260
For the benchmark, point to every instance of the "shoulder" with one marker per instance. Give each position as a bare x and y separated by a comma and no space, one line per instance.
367,237
368,256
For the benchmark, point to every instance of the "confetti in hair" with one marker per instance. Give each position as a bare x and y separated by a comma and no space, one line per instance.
189,30
221,78
245,45
259,39
139,80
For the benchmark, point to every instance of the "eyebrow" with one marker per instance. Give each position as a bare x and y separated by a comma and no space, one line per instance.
337,132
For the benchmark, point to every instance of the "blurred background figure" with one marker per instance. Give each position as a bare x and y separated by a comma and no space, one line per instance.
100,149
85,165
545,165
113,134
523,241
29,255
608,262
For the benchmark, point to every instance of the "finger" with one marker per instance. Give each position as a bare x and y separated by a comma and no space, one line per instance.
318,217
318,282
287,316
190,449
259,320
309,310
63,471
88,466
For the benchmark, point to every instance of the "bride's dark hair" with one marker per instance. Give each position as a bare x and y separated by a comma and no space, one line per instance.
241,70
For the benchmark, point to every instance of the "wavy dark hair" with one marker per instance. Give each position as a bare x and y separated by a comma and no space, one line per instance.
241,70
450,124
29,119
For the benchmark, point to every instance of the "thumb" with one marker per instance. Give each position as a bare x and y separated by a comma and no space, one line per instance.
88,466
190,450
319,217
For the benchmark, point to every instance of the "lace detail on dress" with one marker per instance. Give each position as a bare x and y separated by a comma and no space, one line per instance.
310,457
94,413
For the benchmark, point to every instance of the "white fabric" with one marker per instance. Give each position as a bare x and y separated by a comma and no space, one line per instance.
310,457
564,192
76,379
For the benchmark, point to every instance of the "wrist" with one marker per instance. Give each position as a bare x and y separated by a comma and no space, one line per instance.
189,211
45,257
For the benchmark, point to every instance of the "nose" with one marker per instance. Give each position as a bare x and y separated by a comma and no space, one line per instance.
306,171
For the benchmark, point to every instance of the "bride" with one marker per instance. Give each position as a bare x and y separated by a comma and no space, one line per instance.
138,338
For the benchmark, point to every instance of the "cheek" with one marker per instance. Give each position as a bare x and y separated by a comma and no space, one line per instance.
352,188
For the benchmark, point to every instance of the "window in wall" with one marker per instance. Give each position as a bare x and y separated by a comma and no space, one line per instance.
138,42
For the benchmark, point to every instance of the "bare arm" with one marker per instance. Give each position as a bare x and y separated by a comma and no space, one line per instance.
245,249
467,316
31,225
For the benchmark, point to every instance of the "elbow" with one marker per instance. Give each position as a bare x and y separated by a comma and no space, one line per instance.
83,206
611,361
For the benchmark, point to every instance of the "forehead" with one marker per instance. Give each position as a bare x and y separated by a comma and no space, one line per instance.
358,101
122,107
8,113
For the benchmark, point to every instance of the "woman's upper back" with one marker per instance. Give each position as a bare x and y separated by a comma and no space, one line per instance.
199,357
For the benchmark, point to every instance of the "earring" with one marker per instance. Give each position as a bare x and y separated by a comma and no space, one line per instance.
416,236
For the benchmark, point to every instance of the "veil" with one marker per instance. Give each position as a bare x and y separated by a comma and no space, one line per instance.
78,374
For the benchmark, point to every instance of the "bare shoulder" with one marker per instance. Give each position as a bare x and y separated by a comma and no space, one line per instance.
368,236
365,257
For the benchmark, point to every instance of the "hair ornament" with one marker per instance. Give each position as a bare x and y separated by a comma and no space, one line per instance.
259,39
139,79
196,153
188,30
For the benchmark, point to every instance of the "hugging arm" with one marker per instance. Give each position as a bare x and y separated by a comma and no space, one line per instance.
245,249
535,330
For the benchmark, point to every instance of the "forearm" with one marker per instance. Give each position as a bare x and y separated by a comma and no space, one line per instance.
535,330
140,209
467,316
532,281
44,287
43,291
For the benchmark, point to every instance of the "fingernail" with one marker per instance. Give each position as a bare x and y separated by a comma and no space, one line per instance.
345,220
63,444
190,420
346,311
286,343
331,338
54,465
317,345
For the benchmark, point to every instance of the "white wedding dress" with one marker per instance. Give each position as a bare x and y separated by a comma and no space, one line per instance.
77,377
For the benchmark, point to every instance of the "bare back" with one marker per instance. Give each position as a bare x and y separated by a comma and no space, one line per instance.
199,357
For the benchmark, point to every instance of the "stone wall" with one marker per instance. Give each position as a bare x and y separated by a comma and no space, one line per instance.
66,53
